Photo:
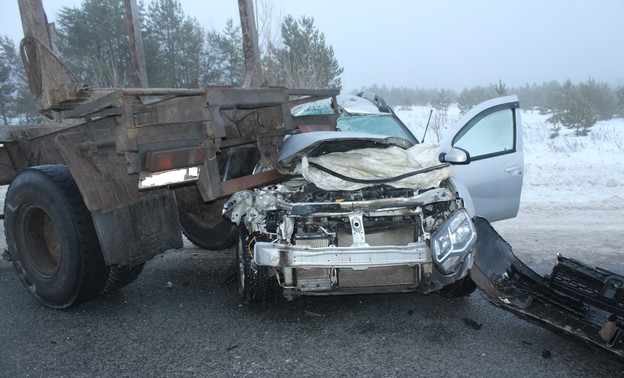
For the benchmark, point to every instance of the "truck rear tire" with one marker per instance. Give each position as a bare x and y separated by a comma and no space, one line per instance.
205,225
51,237
208,229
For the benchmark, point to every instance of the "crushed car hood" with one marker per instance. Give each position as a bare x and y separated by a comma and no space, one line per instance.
351,161
323,142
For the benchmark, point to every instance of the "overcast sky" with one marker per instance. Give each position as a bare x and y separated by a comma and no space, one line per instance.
440,44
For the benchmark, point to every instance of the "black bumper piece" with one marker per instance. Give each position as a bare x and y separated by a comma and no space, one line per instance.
575,299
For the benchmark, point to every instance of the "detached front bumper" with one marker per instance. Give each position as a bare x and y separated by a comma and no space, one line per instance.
577,300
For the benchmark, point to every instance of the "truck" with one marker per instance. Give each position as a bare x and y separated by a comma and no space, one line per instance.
93,198
330,211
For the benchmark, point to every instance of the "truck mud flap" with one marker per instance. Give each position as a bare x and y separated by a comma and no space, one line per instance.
131,235
575,299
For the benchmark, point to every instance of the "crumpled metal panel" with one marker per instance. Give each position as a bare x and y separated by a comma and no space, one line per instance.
576,300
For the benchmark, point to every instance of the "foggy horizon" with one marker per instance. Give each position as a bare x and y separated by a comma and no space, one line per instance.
442,44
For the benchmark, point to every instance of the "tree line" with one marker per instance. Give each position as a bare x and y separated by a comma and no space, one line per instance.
17,105
179,52
574,106
93,42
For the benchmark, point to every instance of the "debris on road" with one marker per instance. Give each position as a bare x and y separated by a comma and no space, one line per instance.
311,313
472,324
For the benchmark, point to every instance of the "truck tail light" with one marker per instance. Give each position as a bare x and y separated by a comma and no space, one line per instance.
156,161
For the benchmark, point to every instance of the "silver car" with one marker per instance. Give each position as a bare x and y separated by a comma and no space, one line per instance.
368,209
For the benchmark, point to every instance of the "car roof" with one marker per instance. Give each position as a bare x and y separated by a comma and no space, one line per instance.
357,105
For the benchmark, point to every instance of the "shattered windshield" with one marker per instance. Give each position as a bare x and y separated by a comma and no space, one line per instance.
379,124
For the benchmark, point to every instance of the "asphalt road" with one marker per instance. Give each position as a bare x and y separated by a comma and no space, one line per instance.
182,317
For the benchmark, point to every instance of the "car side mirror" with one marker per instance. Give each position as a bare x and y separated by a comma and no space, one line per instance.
455,156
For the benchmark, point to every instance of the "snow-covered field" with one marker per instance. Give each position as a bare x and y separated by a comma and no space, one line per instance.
573,193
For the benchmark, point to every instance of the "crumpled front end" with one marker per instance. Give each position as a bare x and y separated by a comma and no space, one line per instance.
376,238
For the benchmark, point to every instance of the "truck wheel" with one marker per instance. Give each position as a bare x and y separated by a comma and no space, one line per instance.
461,288
51,237
253,280
208,229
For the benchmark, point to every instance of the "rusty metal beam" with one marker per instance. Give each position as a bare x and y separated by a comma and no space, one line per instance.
322,93
247,182
52,85
136,44
21,132
253,70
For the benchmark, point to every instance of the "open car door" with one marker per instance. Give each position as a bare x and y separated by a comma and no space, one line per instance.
578,300
491,182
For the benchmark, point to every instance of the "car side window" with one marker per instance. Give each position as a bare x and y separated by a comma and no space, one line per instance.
492,134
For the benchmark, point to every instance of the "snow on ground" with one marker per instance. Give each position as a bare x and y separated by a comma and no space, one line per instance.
573,193
558,169
573,170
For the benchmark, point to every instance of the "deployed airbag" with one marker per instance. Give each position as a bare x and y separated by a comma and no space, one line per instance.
375,164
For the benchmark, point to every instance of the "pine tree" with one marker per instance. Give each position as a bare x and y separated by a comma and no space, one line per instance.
93,41
620,100
500,88
226,62
571,109
468,98
304,60
7,82
175,45
601,97
17,105
442,100
580,115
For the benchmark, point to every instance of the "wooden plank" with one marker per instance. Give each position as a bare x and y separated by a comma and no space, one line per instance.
248,182
94,106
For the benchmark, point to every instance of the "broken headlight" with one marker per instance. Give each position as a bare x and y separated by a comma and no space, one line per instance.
452,241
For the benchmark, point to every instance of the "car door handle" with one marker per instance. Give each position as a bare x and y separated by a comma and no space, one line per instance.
514,170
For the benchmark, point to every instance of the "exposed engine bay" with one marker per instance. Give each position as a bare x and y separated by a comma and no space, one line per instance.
375,238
